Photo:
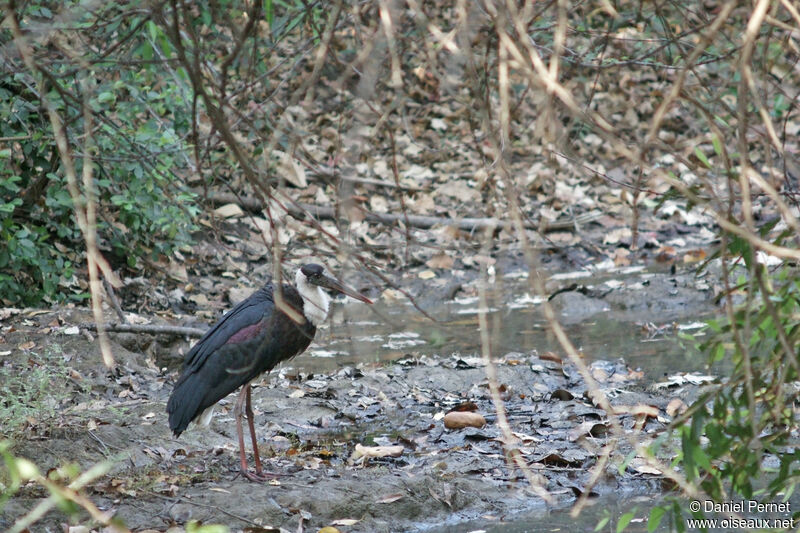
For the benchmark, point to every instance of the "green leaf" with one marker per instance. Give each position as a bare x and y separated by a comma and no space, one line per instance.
624,520
656,514
270,13
717,145
624,464
603,521
106,97
701,156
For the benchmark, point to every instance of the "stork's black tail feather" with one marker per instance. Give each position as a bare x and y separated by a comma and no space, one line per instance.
184,403
199,388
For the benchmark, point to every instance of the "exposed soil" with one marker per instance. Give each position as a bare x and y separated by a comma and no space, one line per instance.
67,408
309,426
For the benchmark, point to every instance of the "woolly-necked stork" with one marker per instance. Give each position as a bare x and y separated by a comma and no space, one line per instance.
249,340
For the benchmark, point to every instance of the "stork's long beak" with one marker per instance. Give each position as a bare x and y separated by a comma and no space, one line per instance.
333,284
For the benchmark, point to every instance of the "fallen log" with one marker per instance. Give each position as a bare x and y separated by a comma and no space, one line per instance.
151,329
298,210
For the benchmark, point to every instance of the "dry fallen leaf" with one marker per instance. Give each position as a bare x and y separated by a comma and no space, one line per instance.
599,374
237,294
440,261
463,419
589,428
465,406
617,235
666,254
376,451
641,466
421,204
694,256
639,410
564,238
458,190
228,211
345,522
391,498
675,406
290,169
200,299
378,204
391,295
621,257
427,274
562,395
177,271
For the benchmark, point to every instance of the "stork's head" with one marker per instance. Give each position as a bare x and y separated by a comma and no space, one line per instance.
311,279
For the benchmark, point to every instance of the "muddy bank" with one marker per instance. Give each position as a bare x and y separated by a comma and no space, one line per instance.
309,426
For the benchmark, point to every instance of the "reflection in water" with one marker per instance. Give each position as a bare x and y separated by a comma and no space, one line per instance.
516,325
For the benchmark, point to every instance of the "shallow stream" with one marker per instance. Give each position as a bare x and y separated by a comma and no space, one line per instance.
603,329
384,332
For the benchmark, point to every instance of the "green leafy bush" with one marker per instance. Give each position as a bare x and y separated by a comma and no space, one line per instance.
139,130
737,441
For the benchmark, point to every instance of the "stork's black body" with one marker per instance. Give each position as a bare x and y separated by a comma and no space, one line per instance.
249,340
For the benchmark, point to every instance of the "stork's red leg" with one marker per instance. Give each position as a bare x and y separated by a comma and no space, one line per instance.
237,414
244,397
252,426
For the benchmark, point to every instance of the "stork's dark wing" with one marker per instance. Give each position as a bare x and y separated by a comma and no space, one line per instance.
211,369
252,338
245,315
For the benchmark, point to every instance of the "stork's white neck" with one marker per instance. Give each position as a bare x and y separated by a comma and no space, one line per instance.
315,300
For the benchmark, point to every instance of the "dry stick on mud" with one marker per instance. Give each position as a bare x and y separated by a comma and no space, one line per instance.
151,329
217,508
327,174
252,204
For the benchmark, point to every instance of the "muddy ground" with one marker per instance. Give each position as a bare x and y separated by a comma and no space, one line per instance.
310,424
